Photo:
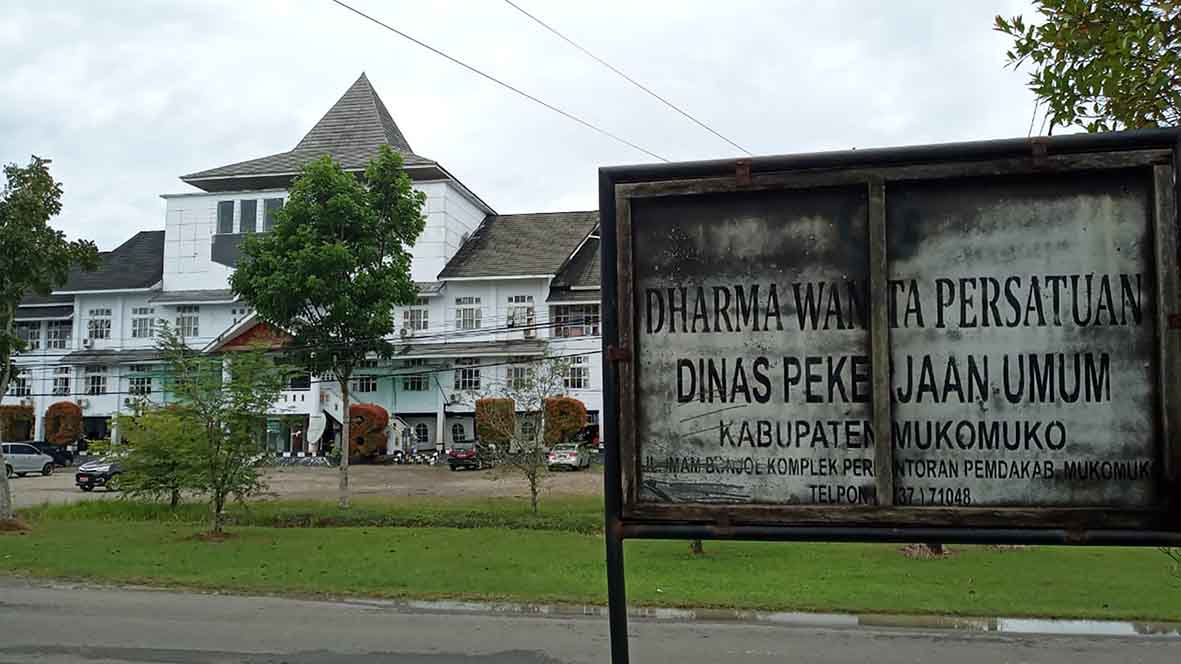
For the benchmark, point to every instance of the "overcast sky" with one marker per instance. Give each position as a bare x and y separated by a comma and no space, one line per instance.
127,96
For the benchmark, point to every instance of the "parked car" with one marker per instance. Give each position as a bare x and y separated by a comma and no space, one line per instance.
569,455
61,454
100,472
470,455
22,459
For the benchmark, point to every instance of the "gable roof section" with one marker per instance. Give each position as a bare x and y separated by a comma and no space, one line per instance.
511,245
582,271
351,132
135,264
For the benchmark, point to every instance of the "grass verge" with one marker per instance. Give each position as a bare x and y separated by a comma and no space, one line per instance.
568,514
555,566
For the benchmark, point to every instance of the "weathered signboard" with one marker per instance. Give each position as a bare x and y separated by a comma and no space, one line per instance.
978,336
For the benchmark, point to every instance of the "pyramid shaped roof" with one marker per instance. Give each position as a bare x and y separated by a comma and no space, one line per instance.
351,132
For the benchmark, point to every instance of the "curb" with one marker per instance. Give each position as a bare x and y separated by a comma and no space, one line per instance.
994,625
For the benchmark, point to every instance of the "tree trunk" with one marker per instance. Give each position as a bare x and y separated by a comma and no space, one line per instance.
345,442
533,492
5,492
696,548
219,503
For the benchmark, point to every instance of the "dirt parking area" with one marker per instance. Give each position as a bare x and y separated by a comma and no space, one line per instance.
366,482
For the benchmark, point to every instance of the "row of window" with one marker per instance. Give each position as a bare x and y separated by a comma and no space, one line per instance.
574,320
247,215
467,378
94,381
58,334
143,322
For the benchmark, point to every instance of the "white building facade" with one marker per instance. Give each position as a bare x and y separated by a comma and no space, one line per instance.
497,292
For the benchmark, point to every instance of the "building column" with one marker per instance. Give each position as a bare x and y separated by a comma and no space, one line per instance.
440,426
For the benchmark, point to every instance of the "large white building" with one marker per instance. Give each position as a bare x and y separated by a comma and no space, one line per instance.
497,292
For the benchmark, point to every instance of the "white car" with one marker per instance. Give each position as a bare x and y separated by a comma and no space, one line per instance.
574,457
22,459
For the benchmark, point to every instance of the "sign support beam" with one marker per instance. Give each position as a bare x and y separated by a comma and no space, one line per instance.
883,451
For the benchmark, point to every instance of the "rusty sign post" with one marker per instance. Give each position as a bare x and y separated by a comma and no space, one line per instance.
969,342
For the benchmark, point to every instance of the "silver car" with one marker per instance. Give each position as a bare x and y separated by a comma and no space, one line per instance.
22,459
568,455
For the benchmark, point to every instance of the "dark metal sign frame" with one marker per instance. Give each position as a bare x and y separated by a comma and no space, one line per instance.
1156,152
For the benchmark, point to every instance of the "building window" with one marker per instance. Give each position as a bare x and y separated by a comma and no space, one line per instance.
520,314
30,333
528,428
96,380
365,384
576,320
414,382
269,207
422,433
225,217
300,381
99,324
458,435
143,322
467,374
520,373
467,313
61,381
239,314
59,334
417,317
247,217
140,380
577,373
188,318
19,385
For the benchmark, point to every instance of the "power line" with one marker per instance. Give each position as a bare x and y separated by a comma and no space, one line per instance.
499,82
627,78
409,371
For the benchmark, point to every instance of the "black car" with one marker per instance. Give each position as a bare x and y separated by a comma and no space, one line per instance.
101,472
61,454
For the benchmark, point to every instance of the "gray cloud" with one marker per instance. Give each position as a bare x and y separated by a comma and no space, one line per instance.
127,96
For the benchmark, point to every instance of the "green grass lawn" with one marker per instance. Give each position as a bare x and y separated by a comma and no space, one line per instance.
523,563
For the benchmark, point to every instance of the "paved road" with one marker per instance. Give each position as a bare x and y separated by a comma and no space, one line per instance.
69,624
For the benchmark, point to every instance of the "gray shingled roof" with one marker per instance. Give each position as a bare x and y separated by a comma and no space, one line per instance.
193,296
137,263
519,244
44,313
583,269
37,300
351,132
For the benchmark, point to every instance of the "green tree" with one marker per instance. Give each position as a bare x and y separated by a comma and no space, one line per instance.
163,454
1103,66
1107,65
224,401
34,258
524,427
333,268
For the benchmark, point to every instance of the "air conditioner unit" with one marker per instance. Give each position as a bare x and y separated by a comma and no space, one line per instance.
128,402
26,402
406,333
87,342
83,403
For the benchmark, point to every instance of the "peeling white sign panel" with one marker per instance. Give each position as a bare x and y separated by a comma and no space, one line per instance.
1021,331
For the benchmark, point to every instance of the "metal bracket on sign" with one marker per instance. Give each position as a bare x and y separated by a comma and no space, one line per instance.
742,172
